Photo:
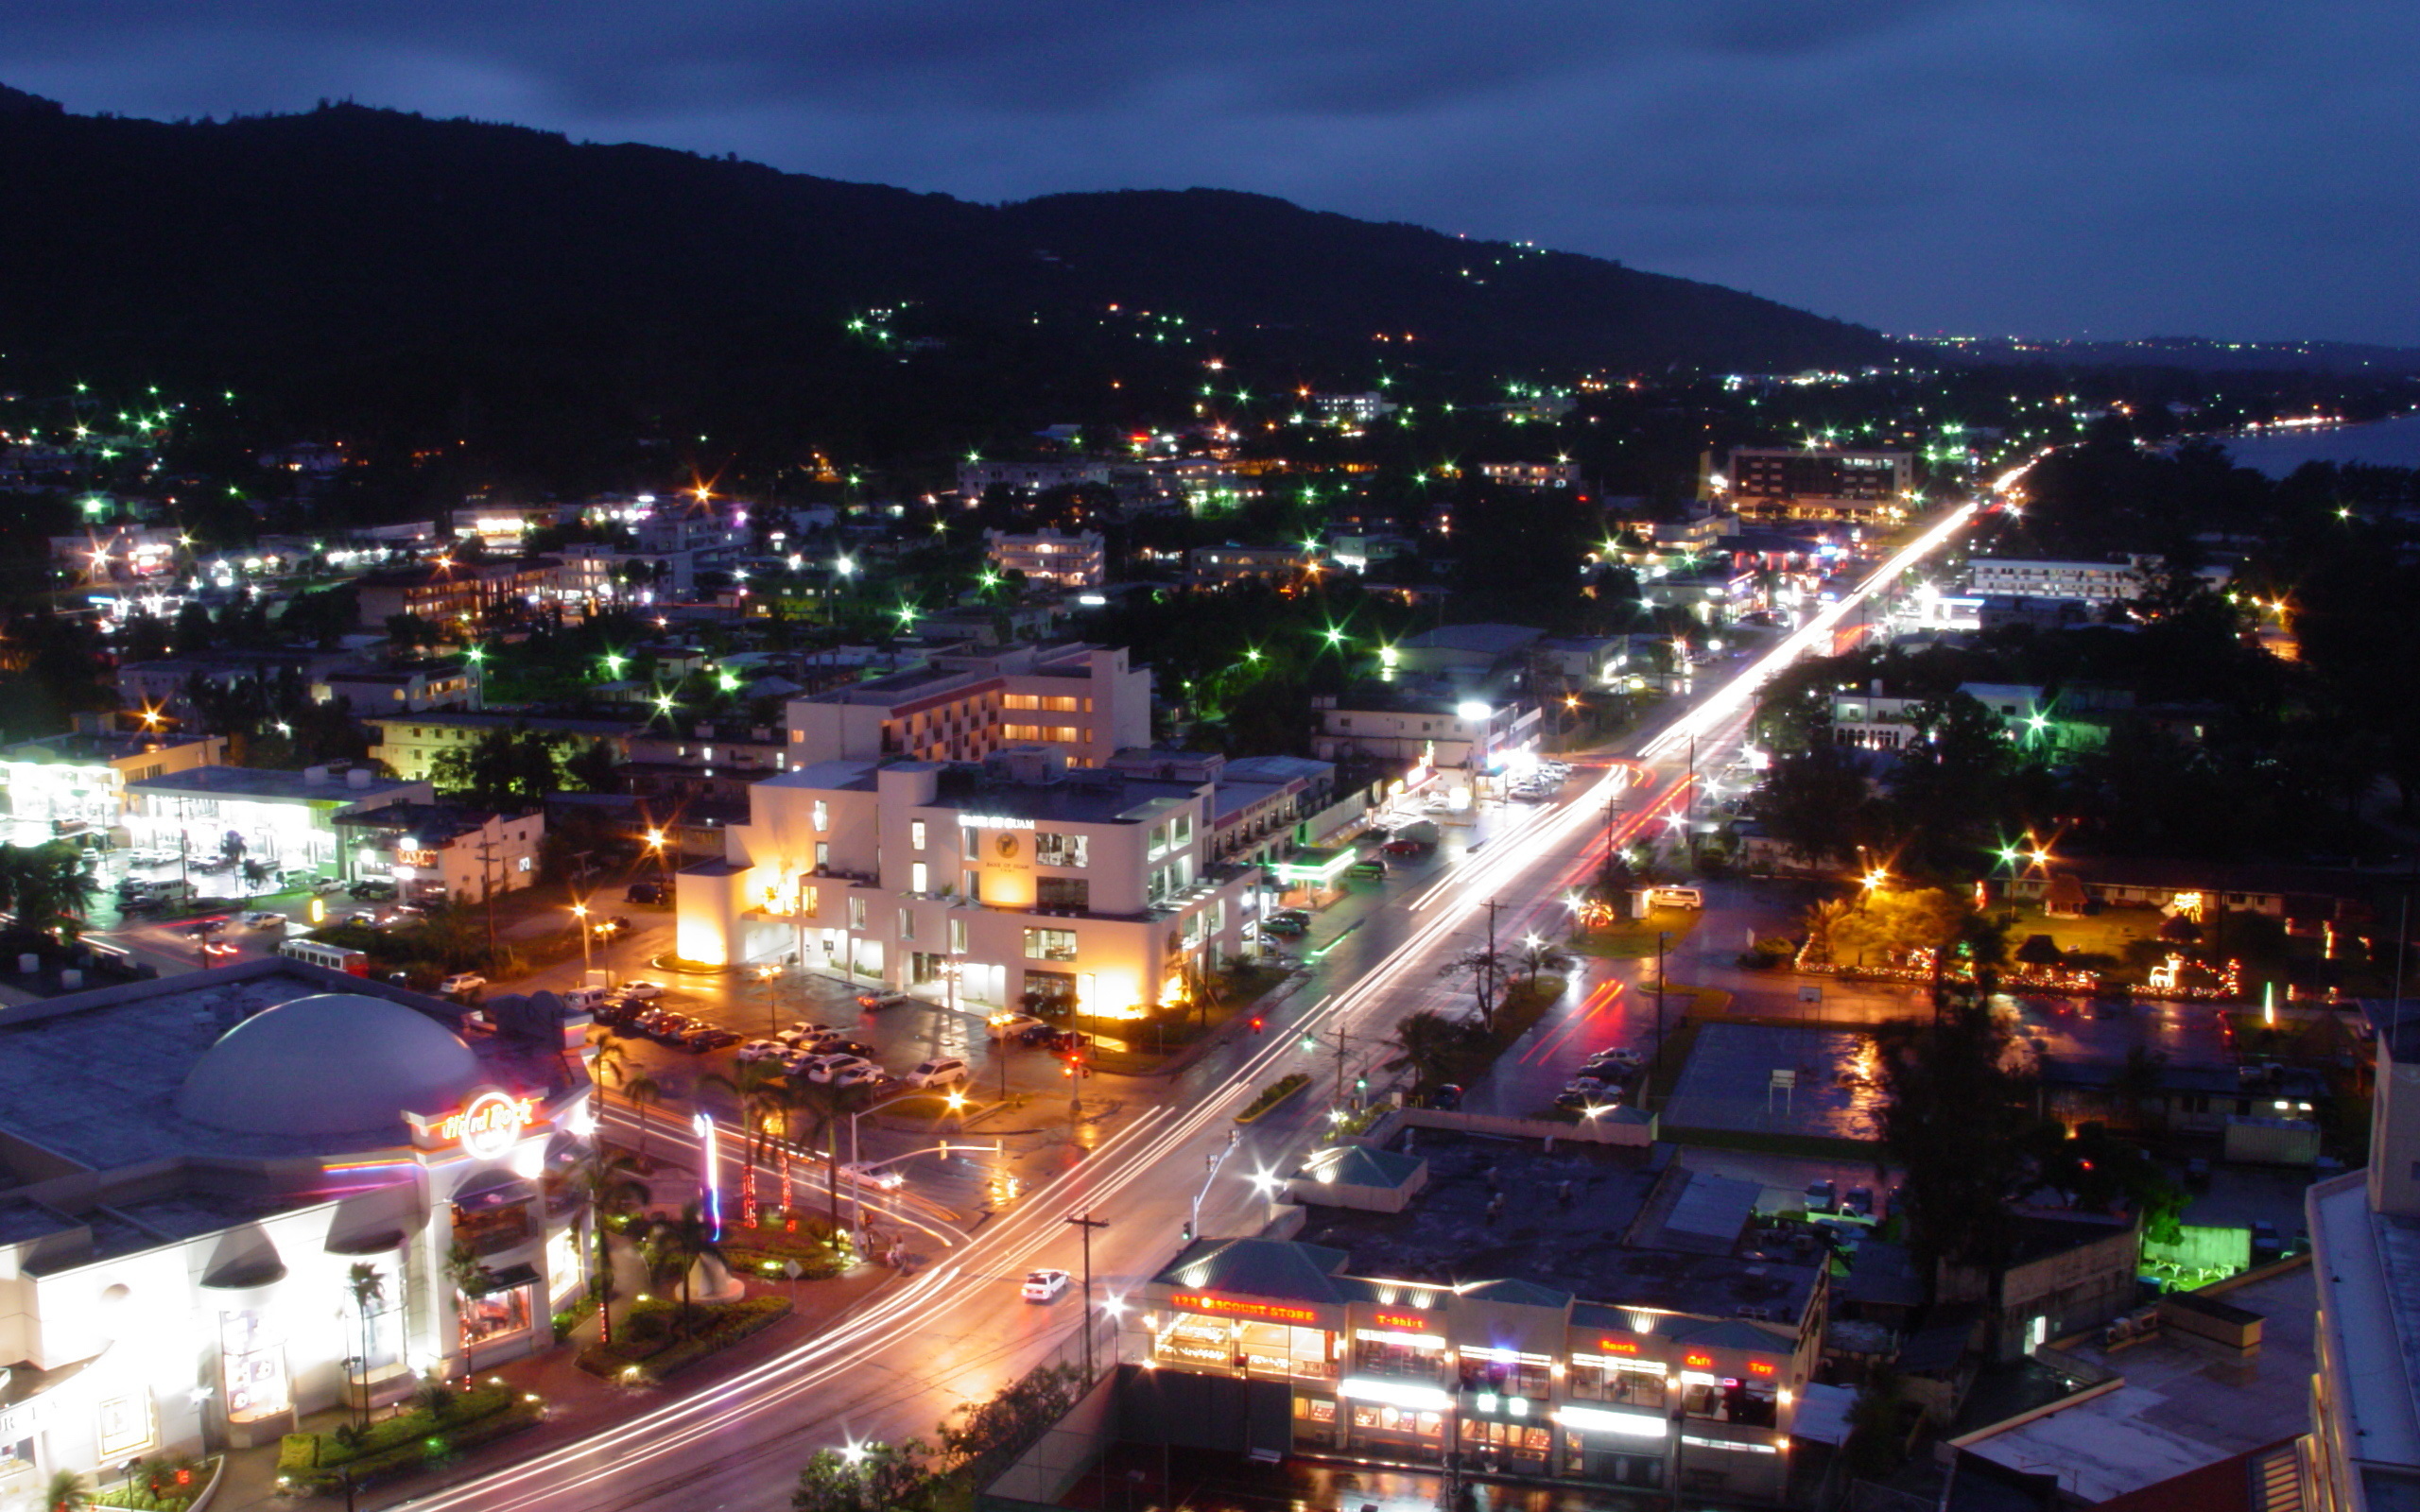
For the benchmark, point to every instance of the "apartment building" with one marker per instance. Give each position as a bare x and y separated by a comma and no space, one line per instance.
439,852
1048,558
409,743
2087,582
451,590
1082,699
1089,888
1531,474
1808,483
454,683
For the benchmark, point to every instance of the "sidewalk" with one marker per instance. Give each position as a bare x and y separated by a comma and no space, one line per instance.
576,1404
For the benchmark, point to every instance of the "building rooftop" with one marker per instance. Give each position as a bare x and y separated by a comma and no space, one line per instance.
272,785
433,823
86,748
2182,1405
1571,1246
95,1077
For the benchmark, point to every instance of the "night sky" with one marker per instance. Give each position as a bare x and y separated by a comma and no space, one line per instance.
2130,168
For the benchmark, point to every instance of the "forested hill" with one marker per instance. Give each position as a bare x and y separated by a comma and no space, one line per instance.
357,261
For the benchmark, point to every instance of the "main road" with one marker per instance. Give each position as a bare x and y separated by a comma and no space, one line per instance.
1141,1159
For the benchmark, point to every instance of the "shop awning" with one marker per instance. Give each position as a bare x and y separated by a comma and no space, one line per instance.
374,1241
497,1187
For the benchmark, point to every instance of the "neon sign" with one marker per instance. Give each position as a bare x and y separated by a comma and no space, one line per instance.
1760,1367
1618,1346
1194,1302
1413,1321
488,1123
1697,1362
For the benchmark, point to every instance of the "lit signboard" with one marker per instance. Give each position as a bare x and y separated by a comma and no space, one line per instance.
488,1123
1238,1307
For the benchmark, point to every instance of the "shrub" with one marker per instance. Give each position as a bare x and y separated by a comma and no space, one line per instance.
1275,1092
646,1341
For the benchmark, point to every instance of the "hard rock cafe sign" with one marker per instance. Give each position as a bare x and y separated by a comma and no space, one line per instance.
487,1125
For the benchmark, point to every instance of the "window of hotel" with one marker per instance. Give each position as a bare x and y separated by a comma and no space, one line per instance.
972,887
920,877
1183,833
1050,944
857,912
822,854
1062,892
906,923
807,898
820,816
1051,850
1159,840
916,837
958,936
1219,917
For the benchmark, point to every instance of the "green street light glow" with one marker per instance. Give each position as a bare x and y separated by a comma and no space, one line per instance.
475,655
614,664
730,681
1335,636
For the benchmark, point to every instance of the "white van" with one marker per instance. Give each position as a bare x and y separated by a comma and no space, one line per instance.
583,999
1675,898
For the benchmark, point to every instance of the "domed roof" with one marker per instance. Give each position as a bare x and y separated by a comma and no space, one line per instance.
333,1063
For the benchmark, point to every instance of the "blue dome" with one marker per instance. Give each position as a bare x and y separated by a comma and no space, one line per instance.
333,1063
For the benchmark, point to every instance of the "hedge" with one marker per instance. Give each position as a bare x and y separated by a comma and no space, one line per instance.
406,1442
1273,1094
645,1339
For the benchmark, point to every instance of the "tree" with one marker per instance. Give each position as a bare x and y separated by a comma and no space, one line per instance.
1484,965
511,769
67,1492
609,1185
367,1285
1425,1043
870,1477
1877,1425
1815,802
1950,783
592,766
46,886
825,1104
1536,955
980,1439
679,1244
1954,1120
763,1093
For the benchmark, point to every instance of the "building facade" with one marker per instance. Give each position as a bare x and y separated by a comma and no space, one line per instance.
1086,701
1804,483
66,784
1047,558
1088,888
183,1213
2082,582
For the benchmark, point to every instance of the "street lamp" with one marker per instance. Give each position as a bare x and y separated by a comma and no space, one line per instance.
580,912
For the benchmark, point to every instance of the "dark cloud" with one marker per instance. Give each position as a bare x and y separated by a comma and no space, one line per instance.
2057,166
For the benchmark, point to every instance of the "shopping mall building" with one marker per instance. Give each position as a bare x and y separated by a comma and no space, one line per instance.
191,1175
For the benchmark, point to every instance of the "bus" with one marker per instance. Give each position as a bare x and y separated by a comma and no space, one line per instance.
335,957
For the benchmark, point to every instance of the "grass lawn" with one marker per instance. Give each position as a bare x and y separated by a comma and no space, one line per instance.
1629,939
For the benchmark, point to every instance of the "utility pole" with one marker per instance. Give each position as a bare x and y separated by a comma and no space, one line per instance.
1487,970
487,887
1088,1223
1662,940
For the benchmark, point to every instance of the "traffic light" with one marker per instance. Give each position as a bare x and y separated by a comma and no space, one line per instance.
1258,1024
1310,1042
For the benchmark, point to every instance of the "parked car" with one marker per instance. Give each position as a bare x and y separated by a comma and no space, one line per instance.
1823,1196
1368,869
460,982
1010,1025
1045,1285
1064,1041
1404,848
854,1073
707,1036
1628,1060
1586,1091
1037,1032
945,1072
644,892
1445,1098
882,998
1282,924
1858,1203
843,1045
1675,898
373,889
762,1050
829,1068
642,991
324,886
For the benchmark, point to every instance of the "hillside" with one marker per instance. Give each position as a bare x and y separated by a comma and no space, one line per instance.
366,267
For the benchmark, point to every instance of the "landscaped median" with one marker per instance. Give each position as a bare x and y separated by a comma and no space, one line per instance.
650,1344
406,1442
1273,1094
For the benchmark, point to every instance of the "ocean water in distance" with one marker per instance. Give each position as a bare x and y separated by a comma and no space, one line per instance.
2382,443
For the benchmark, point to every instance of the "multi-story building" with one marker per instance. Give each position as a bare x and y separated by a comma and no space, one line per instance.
453,684
2363,1452
1427,731
411,743
1804,483
1531,474
437,851
1082,699
1218,566
1260,799
443,591
1023,880
68,784
283,820
974,478
1352,409
2087,582
715,764
1047,558
1880,721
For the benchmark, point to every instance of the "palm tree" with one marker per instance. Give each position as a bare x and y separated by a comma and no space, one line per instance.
1425,1043
1537,955
67,1492
683,1242
641,1087
368,1285
825,1104
762,1093
608,1182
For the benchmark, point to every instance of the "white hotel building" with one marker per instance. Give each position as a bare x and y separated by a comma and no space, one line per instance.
1092,887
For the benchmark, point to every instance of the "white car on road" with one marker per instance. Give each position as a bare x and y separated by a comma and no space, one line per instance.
946,1072
864,1175
1045,1285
